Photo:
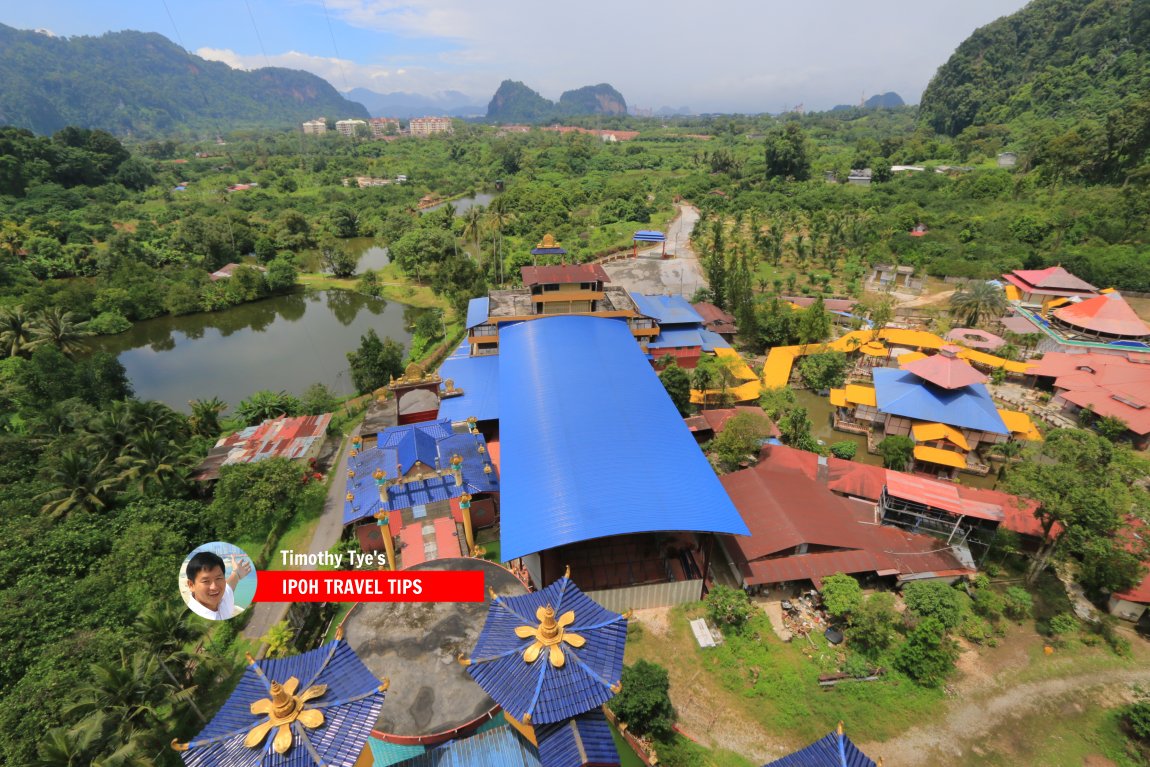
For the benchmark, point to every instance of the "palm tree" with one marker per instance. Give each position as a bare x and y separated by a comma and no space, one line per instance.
473,226
15,332
59,328
152,460
87,745
267,404
205,419
80,481
165,630
978,301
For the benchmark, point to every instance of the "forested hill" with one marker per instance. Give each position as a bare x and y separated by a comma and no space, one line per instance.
144,84
1061,59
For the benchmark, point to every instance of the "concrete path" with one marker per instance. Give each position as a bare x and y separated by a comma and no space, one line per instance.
680,274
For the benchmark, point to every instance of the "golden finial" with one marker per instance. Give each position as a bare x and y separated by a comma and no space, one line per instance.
385,685
351,473
839,729
487,468
251,660
491,591
283,709
463,660
350,497
178,746
527,718
338,633
629,614
567,571
617,687
548,241
353,452
550,634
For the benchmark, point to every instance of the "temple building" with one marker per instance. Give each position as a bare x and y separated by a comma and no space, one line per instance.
1110,386
1036,287
834,750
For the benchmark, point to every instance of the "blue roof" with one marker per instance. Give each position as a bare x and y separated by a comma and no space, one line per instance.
668,310
432,443
834,750
588,430
556,251
901,392
478,377
585,739
477,311
497,747
649,235
350,707
546,692
707,340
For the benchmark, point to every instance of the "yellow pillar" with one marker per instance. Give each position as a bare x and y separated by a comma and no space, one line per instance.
465,508
388,543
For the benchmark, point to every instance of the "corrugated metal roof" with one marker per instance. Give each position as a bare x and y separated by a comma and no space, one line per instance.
497,747
706,340
478,377
1055,277
667,310
478,310
901,392
1108,313
540,689
835,750
588,430
350,706
649,235
929,432
945,369
550,275
582,740
939,456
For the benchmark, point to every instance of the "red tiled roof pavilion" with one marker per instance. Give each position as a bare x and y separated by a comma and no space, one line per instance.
945,369
1107,314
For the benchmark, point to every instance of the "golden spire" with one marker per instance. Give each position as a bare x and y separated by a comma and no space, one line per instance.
551,633
283,708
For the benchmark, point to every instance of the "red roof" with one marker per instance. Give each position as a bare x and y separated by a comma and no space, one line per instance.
1051,278
1136,539
812,567
945,369
548,275
860,480
281,437
1019,512
711,313
717,418
1113,385
938,495
1108,313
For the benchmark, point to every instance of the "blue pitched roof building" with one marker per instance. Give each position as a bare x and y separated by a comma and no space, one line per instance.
667,310
592,445
835,750
902,393
428,448
478,377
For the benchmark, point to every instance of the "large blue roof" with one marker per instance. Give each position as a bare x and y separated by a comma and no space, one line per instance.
478,377
592,445
477,311
585,739
835,750
541,690
901,392
668,310
350,706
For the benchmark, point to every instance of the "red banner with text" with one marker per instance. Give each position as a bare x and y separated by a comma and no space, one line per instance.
369,586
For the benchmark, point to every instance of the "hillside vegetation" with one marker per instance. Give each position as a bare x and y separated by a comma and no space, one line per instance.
136,83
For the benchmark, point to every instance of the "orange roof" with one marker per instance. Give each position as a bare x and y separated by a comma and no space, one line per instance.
1108,313
839,397
1019,423
939,456
929,432
861,395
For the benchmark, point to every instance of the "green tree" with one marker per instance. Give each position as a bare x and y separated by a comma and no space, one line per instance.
874,623
977,302
337,259
375,362
1137,718
1110,427
824,371
845,449
787,153
814,323
795,427
17,332
841,594
266,404
281,274
318,399
927,655
677,382
897,452
741,439
644,703
205,418
56,327
280,640
935,599
1017,603
728,607
253,498
78,482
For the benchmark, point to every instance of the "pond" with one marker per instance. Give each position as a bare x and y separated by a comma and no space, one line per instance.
288,342
464,203
367,250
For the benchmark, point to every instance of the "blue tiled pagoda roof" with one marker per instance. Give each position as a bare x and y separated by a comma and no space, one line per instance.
350,706
431,444
540,691
835,750
582,740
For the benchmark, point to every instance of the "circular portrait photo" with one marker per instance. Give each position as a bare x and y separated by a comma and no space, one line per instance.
217,581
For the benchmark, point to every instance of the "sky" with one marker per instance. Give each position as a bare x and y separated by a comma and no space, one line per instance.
718,56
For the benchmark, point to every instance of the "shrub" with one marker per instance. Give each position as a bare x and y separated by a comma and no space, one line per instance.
1063,624
109,323
928,655
1017,603
934,599
845,450
841,594
728,607
644,703
873,623
1137,717
988,603
857,666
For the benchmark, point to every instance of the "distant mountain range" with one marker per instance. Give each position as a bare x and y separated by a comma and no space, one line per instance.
515,102
138,83
406,105
888,100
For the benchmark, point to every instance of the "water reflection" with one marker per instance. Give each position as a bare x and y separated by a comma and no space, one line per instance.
288,342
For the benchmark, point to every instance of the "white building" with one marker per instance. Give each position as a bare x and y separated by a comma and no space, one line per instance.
318,125
349,127
383,126
425,126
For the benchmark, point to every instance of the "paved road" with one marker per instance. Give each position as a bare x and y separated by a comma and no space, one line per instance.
678,275
327,534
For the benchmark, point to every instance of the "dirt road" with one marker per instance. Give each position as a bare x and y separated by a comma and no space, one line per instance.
970,721
680,274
